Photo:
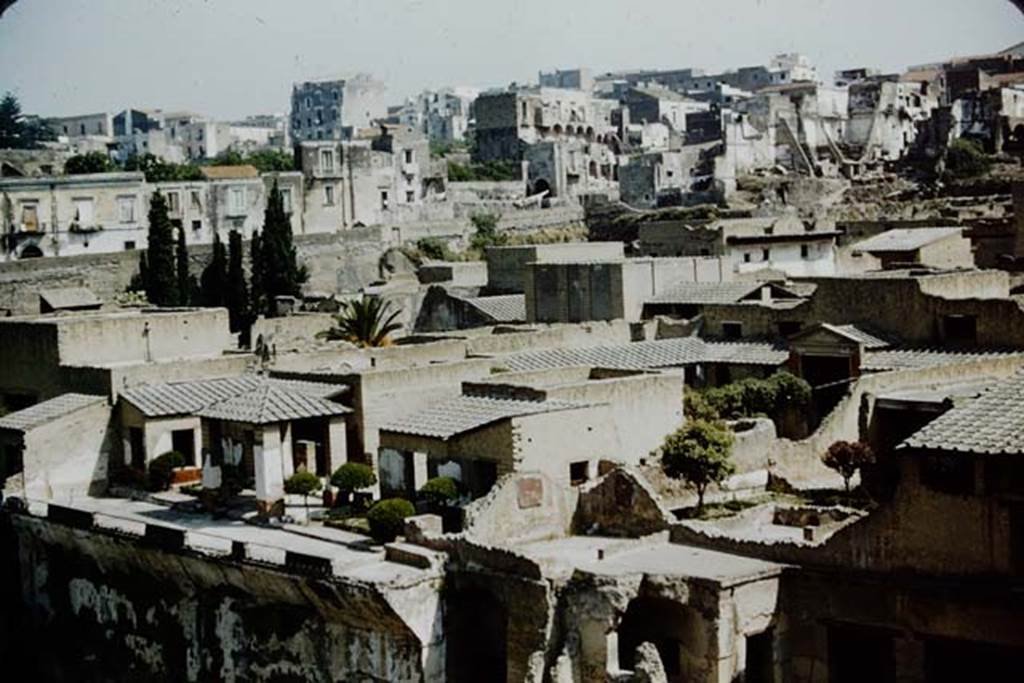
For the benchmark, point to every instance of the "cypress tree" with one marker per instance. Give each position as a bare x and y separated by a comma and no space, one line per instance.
236,294
282,274
213,283
258,299
161,279
186,283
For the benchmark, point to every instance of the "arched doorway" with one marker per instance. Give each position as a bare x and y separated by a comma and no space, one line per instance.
31,251
476,632
541,185
673,628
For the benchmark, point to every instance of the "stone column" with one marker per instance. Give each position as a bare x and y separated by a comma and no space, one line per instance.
419,470
337,444
269,472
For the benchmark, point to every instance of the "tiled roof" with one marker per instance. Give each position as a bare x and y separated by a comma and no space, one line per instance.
993,423
904,239
186,398
899,359
41,413
651,354
507,308
706,293
58,298
858,335
465,413
270,403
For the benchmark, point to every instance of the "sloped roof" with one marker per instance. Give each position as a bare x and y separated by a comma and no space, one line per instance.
904,239
187,398
506,308
663,353
270,403
704,293
229,172
898,359
466,413
63,298
849,332
47,411
991,424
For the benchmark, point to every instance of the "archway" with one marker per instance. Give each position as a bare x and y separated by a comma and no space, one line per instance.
593,168
31,251
557,129
542,185
476,631
673,628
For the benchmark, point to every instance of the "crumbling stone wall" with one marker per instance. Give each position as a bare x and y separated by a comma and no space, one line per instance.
111,609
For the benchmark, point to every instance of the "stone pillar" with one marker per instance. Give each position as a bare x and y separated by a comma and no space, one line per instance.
419,470
269,472
337,444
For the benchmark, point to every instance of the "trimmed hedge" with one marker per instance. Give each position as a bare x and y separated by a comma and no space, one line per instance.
387,518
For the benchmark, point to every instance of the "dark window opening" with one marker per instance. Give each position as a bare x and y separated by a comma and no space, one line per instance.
948,473
578,472
787,328
960,329
184,442
759,665
129,245
732,330
137,446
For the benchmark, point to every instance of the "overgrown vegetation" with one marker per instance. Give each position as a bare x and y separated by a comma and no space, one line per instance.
699,454
488,171
966,159
387,518
265,160
157,170
18,131
771,397
90,162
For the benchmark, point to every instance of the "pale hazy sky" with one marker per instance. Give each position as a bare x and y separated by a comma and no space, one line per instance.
229,58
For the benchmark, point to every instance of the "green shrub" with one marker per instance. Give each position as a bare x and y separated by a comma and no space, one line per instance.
966,159
387,518
790,391
440,490
303,484
697,407
351,477
161,470
434,248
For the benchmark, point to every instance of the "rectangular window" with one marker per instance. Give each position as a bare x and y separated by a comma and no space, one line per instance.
384,200
126,209
197,225
196,200
805,251
30,217
732,330
328,195
327,161
766,254
236,201
129,245
286,200
173,202
408,156
579,472
410,196
746,257
84,215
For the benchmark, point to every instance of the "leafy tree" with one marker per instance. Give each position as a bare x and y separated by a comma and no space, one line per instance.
280,272
18,131
698,453
272,160
229,157
846,457
387,518
351,477
487,234
186,282
157,170
90,162
303,484
966,159
365,322
161,281
213,282
236,296
434,248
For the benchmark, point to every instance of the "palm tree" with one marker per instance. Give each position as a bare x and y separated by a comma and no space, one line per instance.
366,322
